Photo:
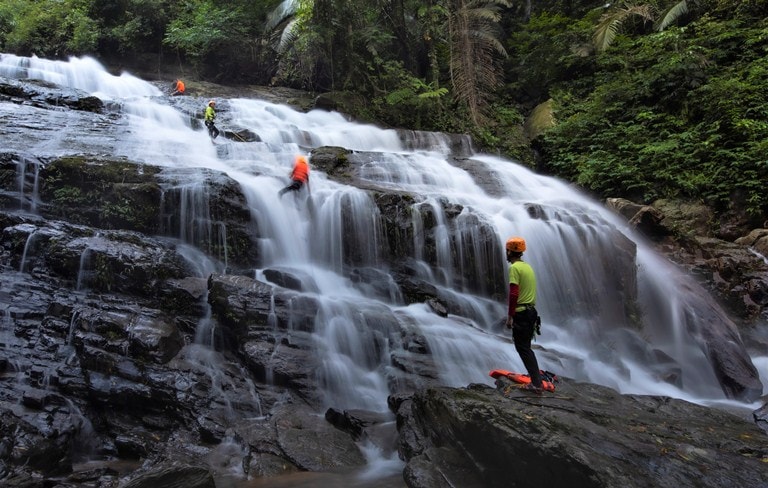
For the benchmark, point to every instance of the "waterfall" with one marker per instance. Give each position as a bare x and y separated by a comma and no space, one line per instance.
85,74
27,245
29,202
574,245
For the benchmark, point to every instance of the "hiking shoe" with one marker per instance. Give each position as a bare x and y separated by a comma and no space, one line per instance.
531,388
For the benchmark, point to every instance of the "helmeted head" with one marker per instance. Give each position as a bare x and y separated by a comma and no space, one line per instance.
212,103
300,159
516,245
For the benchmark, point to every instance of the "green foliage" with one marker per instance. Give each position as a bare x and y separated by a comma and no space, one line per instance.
133,25
546,50
68,196
48,28
413,92
688,123
201,27
121,210
613,20
404,100
677,113
9,13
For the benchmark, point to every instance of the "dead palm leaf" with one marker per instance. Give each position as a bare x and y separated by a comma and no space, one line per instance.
474,50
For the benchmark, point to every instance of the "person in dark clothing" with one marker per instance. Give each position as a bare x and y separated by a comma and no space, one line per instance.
522,316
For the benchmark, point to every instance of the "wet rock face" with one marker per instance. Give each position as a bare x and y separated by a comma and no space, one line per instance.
580,435
102,194
40,93
734,270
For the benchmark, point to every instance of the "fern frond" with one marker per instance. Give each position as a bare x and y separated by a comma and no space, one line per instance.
433,93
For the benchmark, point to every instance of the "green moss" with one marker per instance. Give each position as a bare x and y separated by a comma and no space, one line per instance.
103,275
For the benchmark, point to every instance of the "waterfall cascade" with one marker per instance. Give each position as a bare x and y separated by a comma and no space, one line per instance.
587,331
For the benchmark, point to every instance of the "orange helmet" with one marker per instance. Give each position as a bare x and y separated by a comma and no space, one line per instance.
516,244
300,159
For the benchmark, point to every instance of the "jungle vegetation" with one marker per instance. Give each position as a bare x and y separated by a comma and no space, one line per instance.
643,99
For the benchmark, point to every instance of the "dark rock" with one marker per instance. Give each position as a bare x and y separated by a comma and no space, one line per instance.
685,218
288,363
732,271
103,194
244,304
290,279
437,307
375,282
217,220
757,239
312,443
374,428
581,435
331,160
176,476
241,135
50,94
761,417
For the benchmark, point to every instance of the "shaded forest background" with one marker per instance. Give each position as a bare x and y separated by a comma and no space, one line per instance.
640,99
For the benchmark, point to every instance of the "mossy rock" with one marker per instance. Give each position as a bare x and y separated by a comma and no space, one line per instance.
103,194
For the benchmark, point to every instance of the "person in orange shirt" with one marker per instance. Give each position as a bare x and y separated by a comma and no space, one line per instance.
179,88
299,175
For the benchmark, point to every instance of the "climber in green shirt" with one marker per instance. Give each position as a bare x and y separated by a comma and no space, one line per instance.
210,116
522,316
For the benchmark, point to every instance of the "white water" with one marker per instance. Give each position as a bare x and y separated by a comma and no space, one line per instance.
569,247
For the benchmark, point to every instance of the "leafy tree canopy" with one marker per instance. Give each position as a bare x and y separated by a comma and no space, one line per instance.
647,98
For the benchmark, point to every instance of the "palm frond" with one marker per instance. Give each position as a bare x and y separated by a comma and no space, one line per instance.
475,50
287,37
674,13
611,22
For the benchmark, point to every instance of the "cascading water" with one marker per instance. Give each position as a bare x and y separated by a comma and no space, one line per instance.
572,244
30,200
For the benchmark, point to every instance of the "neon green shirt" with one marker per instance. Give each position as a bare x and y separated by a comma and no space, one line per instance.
210,114
522,275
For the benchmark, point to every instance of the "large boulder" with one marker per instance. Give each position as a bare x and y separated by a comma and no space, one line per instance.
581,435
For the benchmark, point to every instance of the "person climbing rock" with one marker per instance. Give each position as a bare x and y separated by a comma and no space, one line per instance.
178,88
522,316
210,116
299,175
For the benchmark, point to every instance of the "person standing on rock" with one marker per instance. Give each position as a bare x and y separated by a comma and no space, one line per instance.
299,175
522,316
210,116
178,88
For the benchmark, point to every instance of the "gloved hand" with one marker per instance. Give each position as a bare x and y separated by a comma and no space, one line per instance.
510,322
